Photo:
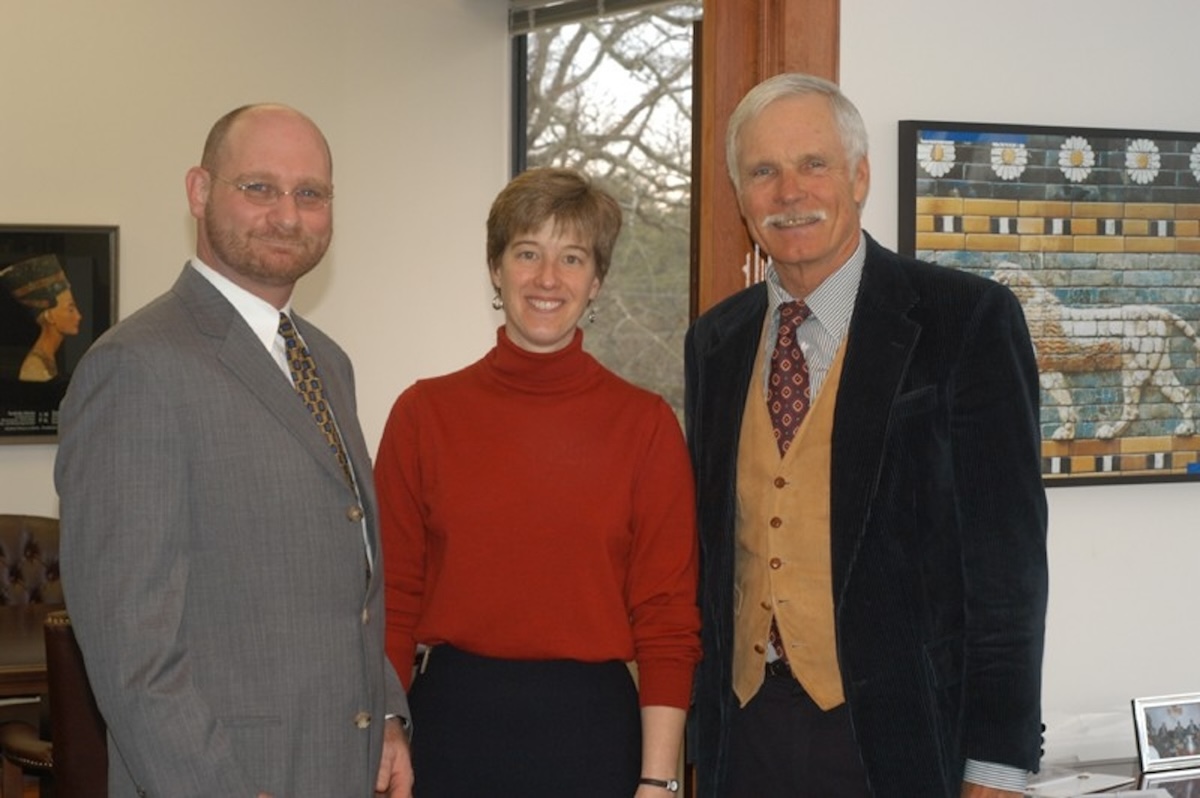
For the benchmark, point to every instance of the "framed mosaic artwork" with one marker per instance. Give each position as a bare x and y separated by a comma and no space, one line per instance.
1097,232
58,293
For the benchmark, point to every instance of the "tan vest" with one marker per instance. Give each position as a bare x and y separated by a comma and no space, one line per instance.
782,565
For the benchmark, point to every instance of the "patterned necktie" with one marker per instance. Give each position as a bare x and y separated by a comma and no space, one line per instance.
788,391
308,385
788,399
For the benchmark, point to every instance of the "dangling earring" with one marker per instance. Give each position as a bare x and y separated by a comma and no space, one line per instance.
591,313
497,302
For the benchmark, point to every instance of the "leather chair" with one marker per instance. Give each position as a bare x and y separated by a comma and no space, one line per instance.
77,755
24,753
28,575
29,560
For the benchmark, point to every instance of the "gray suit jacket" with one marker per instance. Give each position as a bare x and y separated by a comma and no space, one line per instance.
213,561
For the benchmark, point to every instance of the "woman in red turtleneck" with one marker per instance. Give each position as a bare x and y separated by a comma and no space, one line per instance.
538,529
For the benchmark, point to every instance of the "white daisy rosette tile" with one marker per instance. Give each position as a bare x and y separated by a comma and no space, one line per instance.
1009,160
936,157
1194,162
1076,159
1142,161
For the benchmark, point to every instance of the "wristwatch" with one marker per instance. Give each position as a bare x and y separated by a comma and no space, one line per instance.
666,784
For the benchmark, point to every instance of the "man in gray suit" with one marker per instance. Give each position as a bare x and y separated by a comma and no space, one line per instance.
220,564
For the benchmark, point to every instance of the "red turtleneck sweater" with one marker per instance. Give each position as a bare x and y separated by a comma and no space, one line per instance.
537,506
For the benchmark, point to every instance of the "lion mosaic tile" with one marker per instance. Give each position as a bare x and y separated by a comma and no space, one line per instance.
1098,235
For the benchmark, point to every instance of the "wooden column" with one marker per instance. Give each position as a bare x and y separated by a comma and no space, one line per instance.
742,43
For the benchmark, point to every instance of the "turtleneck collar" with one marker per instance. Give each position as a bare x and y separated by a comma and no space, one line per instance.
567,369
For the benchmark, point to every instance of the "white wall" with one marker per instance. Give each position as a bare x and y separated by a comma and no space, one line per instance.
107,105
1123,558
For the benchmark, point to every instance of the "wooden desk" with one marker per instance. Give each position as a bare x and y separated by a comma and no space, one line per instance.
23,649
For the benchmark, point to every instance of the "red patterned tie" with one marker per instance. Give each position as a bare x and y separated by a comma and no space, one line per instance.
788,392
788,399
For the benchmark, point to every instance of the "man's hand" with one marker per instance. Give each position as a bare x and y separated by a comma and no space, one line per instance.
970,790
395,779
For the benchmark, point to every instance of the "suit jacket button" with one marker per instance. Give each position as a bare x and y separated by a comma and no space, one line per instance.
766,605
362,720
759,648
354,513
775,563
776,522
780,482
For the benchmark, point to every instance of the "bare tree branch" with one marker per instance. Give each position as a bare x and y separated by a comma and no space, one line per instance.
613,98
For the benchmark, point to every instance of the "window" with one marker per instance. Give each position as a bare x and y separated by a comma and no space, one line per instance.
612,96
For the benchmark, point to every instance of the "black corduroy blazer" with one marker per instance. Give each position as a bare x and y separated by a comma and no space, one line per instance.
938,524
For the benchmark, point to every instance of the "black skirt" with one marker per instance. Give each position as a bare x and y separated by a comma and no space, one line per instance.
493,728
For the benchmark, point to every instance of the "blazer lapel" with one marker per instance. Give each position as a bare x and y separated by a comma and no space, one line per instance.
722,356
245,356
728,362
879,346
338,379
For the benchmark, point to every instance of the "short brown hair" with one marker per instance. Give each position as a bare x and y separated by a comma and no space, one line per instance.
564,195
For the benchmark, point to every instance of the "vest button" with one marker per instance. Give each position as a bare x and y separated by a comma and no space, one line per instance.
775,563
776,522
780,482
759,648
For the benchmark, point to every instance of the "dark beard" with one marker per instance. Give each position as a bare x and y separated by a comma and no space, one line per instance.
237,253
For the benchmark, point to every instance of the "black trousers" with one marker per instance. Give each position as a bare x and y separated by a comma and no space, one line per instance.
785,746
491,728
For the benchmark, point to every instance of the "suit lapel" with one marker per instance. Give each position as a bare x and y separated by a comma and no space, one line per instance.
723,352
728,363
244,355
879,347
337,386
338,383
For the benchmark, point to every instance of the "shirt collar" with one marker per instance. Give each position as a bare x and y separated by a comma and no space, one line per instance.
262,316
831,302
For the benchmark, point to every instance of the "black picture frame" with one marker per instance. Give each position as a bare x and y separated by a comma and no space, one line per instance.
30,392
1097,232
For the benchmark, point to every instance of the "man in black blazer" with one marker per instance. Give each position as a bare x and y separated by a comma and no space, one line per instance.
922,452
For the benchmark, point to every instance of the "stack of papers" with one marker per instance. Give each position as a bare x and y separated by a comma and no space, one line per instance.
1058,784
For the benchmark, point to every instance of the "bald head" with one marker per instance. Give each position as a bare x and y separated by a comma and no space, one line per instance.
259,163
216,145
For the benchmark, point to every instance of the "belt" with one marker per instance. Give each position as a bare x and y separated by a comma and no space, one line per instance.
778,667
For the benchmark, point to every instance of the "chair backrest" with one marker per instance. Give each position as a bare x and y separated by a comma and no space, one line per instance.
76,727
29,560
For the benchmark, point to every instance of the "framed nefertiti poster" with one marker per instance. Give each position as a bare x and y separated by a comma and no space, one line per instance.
58,293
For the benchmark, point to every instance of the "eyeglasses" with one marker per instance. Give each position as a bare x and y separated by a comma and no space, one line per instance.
259,193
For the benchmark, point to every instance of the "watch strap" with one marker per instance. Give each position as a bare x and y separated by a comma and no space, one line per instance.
666,784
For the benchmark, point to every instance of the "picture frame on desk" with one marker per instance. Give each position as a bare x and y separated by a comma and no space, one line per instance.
58,294
1178,784
1168,732
1097,232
